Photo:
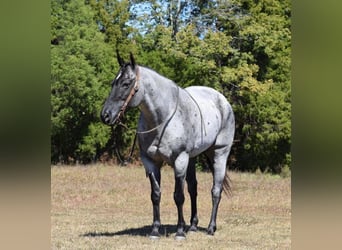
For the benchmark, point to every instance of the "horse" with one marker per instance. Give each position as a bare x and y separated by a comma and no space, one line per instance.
175,126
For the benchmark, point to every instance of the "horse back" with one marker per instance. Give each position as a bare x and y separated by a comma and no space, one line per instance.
208,97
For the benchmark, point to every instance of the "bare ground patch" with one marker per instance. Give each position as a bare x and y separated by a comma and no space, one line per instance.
109,207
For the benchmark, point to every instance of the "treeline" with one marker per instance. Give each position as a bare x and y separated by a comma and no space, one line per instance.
239,47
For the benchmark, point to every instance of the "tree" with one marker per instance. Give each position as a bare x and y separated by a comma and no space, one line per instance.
111,18
240,48
173,14
81,63
259,77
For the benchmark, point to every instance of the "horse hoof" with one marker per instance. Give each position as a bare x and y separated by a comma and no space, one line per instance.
180,236
192,229
154,236
210,231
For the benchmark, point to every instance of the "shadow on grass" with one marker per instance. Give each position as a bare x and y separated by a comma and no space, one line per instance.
165,230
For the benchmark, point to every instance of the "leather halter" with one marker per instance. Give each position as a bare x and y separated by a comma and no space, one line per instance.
129,97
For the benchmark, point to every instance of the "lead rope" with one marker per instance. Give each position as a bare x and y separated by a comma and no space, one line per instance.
158,126
115,147
155,128
129,159
132,149
117,152
167,122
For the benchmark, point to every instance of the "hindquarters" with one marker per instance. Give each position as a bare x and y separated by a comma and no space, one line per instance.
218,161
217,128
222,147
211,118
225,136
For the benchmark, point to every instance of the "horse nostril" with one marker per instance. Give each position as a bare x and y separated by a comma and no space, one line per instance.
105,116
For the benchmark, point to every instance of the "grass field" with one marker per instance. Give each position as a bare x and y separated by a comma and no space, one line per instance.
109,207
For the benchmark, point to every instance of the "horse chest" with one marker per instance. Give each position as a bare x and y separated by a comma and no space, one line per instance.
165,148
159,153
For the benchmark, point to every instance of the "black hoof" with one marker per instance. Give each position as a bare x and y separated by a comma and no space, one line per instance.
192,228
211,230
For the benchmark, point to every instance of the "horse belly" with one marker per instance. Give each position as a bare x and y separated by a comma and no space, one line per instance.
207,117
204,140
204,133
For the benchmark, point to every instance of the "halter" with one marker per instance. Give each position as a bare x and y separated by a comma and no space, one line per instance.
129,97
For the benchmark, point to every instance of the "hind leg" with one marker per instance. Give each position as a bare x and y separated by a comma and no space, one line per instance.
192,189
218,163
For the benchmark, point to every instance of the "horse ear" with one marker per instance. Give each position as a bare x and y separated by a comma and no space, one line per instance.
120,60
132,60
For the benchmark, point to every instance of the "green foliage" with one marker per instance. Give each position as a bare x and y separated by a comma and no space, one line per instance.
81,63
240,48
111,18
264,130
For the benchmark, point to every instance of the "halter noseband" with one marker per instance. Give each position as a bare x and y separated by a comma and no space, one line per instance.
131,94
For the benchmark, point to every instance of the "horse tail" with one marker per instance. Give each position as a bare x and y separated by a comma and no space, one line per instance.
227,185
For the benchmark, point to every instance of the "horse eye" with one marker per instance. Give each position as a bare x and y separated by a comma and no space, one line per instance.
125,85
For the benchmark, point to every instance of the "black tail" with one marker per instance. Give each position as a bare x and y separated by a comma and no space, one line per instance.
227,185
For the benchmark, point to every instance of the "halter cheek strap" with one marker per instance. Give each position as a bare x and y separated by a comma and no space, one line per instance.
130,96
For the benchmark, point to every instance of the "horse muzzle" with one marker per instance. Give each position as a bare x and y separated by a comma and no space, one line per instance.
108,117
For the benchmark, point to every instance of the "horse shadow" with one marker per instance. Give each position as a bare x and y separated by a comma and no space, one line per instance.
144,231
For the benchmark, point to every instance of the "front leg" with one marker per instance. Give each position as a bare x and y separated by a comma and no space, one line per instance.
153,171
155,198
180,168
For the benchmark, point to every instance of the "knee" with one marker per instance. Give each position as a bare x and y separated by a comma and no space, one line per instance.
155,197
216,192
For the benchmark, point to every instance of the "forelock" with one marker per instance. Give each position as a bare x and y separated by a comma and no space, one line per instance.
125,69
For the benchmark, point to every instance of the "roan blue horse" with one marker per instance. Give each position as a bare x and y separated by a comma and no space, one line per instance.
175,126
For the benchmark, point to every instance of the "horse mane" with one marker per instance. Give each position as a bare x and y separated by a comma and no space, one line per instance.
158,74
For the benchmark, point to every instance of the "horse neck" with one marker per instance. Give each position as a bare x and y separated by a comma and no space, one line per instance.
160,97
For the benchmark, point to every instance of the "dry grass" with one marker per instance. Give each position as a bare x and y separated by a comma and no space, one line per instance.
107,207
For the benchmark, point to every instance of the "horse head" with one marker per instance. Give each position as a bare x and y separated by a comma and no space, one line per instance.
124,87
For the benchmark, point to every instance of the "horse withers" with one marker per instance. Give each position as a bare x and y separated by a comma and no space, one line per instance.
175,126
